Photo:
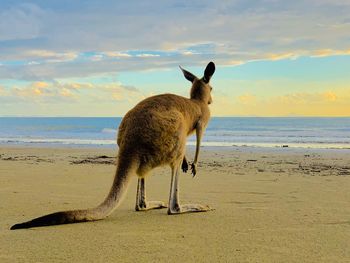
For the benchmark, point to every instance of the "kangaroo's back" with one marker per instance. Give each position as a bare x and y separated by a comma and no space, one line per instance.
154,113
155,130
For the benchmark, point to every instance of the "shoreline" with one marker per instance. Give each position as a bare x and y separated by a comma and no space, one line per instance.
191,145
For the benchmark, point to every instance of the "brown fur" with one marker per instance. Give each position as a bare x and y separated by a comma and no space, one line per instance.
159,124
151,134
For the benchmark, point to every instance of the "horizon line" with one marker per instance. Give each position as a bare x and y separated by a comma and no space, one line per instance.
233,116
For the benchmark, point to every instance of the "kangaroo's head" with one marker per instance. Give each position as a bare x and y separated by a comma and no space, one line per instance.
201,90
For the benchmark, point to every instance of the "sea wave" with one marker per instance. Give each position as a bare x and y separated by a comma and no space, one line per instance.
56,141
105,142
318,145
108,130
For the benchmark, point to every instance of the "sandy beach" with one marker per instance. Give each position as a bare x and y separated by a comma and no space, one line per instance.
271,205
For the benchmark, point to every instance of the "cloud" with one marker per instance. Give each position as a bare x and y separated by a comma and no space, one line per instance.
330,52
43,92
68,98
52,57
119,92
282,56
40,90
66,93
307,98
37,56
330,96
47,44
74,85
34,37
2,91
40,84
145,55
117,54
247,99
20,22
324,103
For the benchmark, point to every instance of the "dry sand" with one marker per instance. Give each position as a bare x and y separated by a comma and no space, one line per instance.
272,205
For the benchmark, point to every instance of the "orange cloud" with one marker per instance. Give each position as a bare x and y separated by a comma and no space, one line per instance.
330,96
120,92
235,62
328,103
76,85
302,98
66,93
280,56
247,99
43,89
187,53
37,88
117,96
292,55
116,54
40,84
2,91
330,52
51,56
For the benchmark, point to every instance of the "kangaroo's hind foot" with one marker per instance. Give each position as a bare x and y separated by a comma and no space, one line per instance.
188,208
174,204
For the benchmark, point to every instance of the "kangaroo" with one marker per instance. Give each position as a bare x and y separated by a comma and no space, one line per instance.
151,134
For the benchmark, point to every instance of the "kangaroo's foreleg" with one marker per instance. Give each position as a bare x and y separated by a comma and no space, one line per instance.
141,203
199,133
174,203
184,165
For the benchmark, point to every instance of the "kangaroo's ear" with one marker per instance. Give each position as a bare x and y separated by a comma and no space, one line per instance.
208,72
188,75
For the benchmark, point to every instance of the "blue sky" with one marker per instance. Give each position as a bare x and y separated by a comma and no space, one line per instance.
99,58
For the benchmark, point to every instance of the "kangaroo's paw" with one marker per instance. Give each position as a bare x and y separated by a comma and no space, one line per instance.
151,205
184,166
193,169
189,208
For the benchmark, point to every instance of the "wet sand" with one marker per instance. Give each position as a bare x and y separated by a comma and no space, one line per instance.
271,205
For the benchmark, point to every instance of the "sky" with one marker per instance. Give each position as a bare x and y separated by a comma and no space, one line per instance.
100,58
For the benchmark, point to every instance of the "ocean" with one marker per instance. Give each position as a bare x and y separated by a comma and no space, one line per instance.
225,132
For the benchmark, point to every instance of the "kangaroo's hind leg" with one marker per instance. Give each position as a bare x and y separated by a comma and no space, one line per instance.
174,203
141,203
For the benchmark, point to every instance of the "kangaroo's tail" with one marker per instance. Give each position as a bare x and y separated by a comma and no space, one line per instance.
123,173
